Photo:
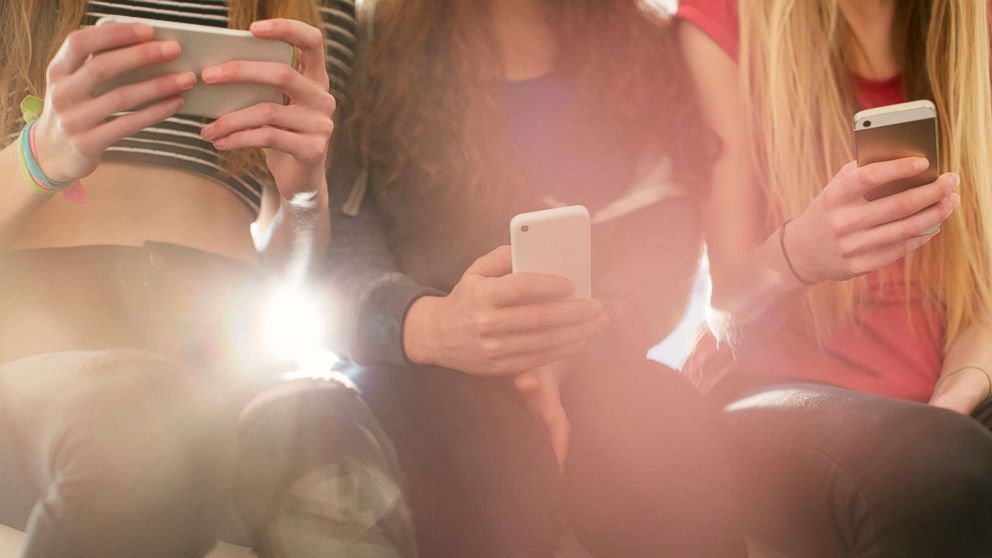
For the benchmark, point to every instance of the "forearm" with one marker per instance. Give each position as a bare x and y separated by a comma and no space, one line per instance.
965,379
296,238
753,295
20,199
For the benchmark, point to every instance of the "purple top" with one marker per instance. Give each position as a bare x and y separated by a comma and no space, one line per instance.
560,157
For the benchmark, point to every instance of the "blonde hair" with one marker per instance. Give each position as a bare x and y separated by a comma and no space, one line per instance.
798,87
31,32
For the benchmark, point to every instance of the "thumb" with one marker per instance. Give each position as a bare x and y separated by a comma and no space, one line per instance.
494,264
559,430
527,382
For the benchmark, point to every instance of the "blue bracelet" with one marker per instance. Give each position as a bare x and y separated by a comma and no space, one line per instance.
33,168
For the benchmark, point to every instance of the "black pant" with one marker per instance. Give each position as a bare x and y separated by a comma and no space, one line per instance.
643,478
825,471
117,418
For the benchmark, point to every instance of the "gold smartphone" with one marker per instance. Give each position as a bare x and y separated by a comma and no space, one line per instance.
894,132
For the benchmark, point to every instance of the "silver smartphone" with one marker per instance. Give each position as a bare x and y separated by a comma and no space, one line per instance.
205,46
555,242
894,132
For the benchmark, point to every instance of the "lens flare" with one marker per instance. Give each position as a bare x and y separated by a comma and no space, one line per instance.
293,325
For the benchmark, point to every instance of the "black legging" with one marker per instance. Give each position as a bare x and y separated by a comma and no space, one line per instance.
825,471
643,478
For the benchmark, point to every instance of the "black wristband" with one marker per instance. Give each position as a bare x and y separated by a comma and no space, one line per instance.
788,261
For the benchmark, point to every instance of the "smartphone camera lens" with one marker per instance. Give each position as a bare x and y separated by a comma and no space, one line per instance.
524,228
867,124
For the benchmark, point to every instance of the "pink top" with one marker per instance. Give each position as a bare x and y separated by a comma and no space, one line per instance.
888,351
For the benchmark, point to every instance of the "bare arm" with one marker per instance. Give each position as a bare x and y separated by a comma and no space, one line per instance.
839,236
752,283
20,199
292,236
294,228
965,377
73,130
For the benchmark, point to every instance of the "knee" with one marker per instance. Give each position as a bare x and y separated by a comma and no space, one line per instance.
311,448
936,491
296,427
138,438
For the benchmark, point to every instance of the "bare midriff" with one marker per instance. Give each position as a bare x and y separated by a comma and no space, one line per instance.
129,205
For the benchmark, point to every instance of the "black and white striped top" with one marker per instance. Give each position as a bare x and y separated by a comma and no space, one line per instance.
176,142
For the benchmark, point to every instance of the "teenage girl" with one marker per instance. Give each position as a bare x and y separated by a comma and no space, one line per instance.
850,342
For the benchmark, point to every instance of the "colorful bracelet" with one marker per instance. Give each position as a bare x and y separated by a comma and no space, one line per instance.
29,163
31,108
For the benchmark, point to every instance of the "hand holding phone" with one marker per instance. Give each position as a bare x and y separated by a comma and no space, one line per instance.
495,322
295,136
74,128
872,214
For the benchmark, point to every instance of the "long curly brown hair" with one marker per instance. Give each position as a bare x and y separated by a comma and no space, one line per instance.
429,104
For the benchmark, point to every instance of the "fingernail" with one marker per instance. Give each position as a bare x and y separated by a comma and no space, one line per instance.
186,81
207,132
170,48
211,74
955,180
261,26
921,163
144,31
955,201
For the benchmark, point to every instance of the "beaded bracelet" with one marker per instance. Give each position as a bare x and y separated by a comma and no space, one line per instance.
27,156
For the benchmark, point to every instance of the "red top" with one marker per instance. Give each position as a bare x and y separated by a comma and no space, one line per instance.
887,351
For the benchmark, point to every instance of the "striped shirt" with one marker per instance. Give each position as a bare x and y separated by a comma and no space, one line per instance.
176,142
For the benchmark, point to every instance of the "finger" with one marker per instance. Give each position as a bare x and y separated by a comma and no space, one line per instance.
110,64
79,45
868,177
559,430
106,135
282,77
903,229
885,255
293,118
497,263
305,148
547,340
901,205
516,319
519,289
307,38
93,112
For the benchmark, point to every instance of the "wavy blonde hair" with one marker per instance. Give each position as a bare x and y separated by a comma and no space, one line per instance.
31,32
797,82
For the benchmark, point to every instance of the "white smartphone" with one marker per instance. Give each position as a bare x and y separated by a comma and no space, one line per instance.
205,46
894,132
554,242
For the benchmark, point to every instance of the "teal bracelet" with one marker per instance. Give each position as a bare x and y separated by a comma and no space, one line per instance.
31,163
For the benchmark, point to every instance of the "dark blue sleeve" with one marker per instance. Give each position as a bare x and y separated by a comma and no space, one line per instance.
373,293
